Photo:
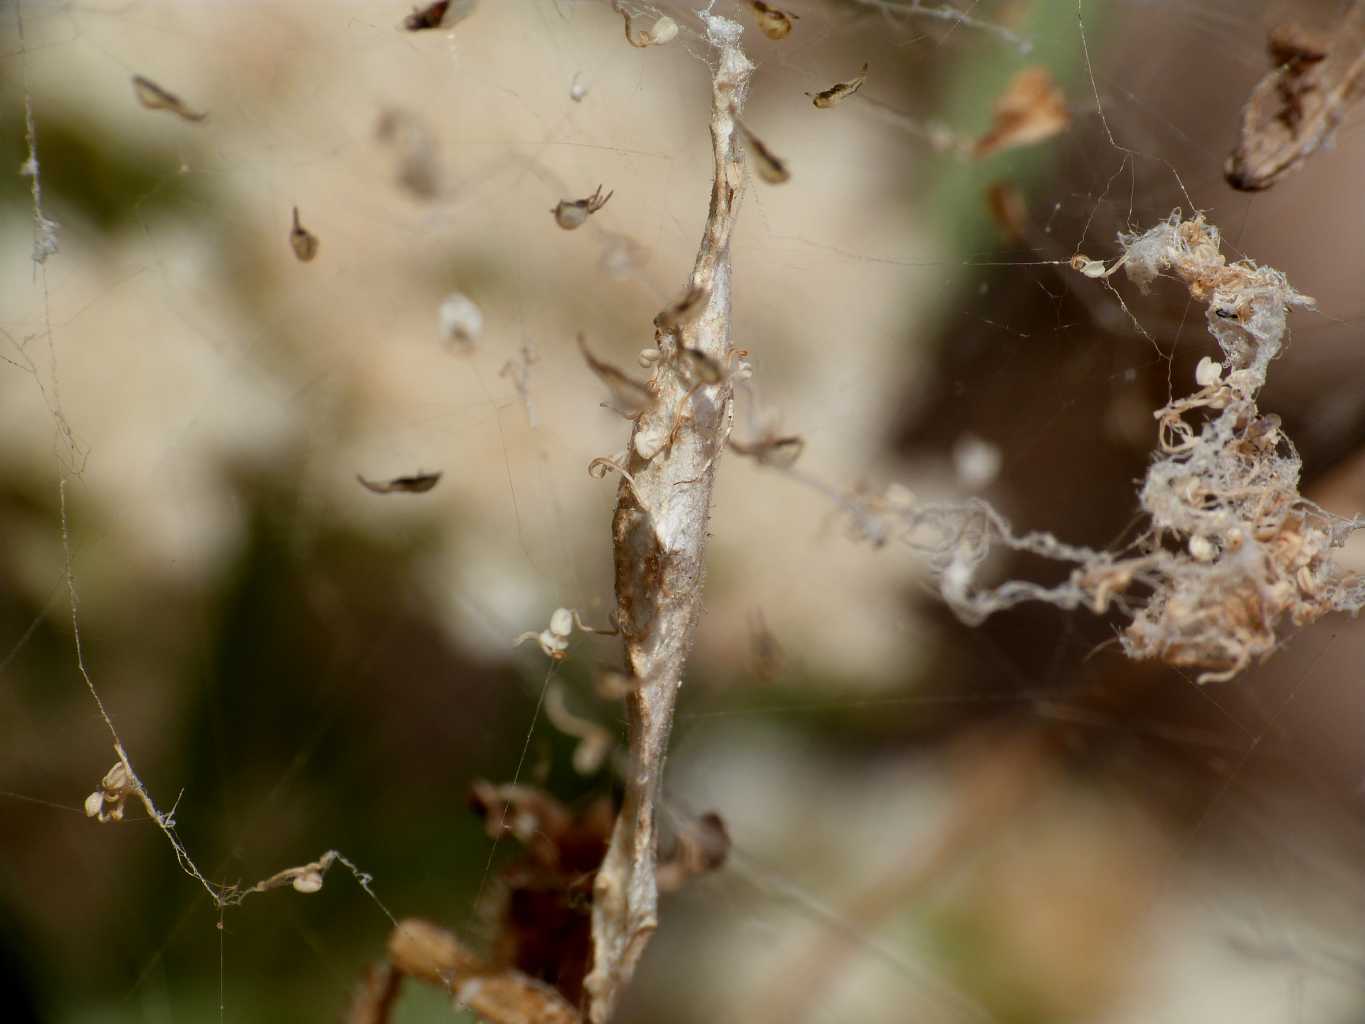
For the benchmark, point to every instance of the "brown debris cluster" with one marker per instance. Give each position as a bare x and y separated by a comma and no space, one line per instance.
534,972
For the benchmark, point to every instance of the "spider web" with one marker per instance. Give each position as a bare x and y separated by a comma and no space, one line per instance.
1001,823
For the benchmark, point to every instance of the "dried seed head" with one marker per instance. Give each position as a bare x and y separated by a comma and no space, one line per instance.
302,241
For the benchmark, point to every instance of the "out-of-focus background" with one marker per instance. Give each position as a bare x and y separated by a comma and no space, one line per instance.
930,822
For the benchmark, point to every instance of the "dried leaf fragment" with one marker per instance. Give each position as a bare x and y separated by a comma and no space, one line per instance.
839,91
770,167
1031,109
302,241
153,97
574,213
418,483
426,17
1296,107
772,22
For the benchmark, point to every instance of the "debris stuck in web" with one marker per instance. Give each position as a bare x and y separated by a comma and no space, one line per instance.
419,169
461,321
302,241
427,17
772,22
770,167
574,213
1295,109
553,641
594,742
153,97
662,29
1030,110
418,483
106,803
1232,554
839,91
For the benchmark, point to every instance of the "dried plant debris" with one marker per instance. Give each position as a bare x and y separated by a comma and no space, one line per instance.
500,995
771,449
153,97
460,320
839,91
594,742
630,397
428,17
766,656
1295,109
419,483
662,29
770,167
306,878
419,169
302,241
772,22
106,804
685,311
1030,110
1231,554
701,846
1008,209
574,213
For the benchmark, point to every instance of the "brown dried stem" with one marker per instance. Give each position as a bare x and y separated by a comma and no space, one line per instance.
659,532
